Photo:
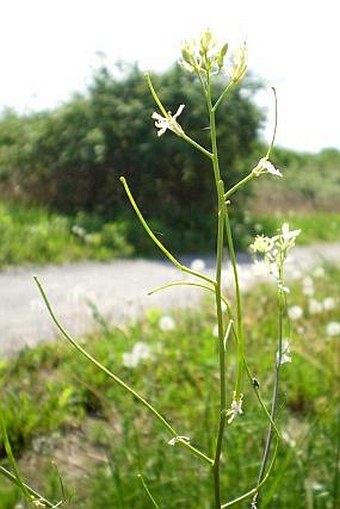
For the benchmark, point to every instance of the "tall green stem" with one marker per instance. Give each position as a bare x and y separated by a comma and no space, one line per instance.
218,296
281,307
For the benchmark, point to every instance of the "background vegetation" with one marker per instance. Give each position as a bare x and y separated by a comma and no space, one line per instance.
60,196
100,438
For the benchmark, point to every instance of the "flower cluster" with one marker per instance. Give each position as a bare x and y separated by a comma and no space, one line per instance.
204,55
140,352
285,355
275,250
235,408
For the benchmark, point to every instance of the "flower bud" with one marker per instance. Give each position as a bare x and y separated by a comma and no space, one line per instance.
240,63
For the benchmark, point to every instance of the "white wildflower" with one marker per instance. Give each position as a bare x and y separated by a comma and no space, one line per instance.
167,323
262,244
285,353
295,312
288,236
319,272
179,438
308,286
265,166
329,303
197,265
333,329
314,306
168,122
235,408
141,351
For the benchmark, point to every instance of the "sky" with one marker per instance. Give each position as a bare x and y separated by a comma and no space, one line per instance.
49,50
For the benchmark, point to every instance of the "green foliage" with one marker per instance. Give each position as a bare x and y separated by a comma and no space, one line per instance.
315,226
311,182
34,235
71,158
73,396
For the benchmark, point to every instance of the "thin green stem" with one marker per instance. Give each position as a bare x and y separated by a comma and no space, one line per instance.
182,134
239,184
239,320
181,283
254,491
32,493
218,296
147,491
114,377
11,458
270,148
220,99
158,243
94,361
277,366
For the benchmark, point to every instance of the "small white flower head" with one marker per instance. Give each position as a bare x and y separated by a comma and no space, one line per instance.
178,439
262,244
308,286
295,312
314,306
333,329
285,355
329,303
235,408
140,352
197,265
286,239
283,288
168,122
265,166
319,272
167,323
204,55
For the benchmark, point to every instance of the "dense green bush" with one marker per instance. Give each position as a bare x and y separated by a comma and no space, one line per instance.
70,159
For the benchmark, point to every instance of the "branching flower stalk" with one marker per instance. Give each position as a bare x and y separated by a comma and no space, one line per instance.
206,58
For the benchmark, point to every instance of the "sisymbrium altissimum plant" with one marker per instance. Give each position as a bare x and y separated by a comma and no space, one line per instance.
207,59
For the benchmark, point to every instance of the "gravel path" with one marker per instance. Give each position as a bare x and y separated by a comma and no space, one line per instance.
119,290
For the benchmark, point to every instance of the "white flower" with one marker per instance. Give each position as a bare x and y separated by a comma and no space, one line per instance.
314,306
179,438
235,408
197,265
329,303
308,286
333,329
295,312
168,122
319,272
265,166
285,353
141,351
289,236
166,323
262,244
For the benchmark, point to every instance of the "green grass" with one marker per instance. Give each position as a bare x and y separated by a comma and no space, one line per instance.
315,226
52,396
33,235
